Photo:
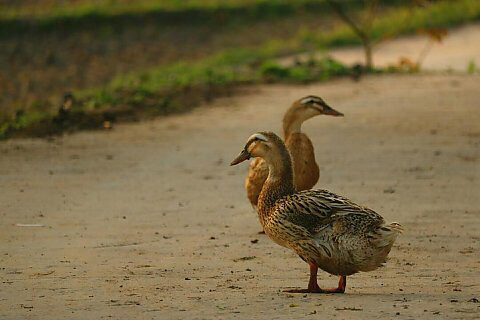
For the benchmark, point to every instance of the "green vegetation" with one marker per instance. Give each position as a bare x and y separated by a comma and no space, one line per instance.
165,90
89,14
184,85
88,7
56,10
303,72
471,67
406,20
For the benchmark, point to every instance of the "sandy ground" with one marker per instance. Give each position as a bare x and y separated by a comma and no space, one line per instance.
148,221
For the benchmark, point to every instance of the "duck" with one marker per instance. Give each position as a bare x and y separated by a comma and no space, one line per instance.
327,231
301,148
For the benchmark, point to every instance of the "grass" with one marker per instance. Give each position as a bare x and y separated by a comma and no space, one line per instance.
170,89
76,9
404,20
86,7
86,14
184,85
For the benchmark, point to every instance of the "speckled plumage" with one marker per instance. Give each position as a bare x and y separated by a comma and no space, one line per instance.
326,230
339,236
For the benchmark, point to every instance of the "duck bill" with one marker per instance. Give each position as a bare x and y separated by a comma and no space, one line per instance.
329,111
244,155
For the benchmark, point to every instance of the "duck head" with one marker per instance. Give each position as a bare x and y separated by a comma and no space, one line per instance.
304,109
271,148
257,146
266,145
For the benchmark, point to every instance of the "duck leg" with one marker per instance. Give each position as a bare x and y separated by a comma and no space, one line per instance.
342,284
313,285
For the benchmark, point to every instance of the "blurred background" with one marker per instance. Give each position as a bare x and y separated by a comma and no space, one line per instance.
67,65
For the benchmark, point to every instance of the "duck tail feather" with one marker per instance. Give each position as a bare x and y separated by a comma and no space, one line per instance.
387,234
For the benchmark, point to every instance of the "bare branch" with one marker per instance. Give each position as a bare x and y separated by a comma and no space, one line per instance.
338,8
362,31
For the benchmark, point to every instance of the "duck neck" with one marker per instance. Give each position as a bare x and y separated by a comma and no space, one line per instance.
291,125
278,184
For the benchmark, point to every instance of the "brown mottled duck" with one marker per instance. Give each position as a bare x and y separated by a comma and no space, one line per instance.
305,167
327,231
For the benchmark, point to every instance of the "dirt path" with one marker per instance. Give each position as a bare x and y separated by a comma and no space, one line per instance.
148,221
459,48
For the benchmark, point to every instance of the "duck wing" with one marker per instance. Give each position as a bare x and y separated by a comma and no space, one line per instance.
317,209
